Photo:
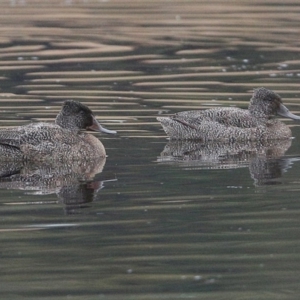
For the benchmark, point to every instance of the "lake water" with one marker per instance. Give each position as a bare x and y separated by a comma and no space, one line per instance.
159,220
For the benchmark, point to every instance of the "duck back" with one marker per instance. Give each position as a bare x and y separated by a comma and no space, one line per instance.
45,141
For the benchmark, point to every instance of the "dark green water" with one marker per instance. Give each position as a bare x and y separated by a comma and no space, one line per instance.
151,227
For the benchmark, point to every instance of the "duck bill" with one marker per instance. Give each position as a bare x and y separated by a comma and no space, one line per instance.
284,112
97,127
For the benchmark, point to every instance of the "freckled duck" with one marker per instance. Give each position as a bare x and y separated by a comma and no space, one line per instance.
232,124
60,141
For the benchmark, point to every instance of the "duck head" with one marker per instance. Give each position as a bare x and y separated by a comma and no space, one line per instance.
76,116
265,103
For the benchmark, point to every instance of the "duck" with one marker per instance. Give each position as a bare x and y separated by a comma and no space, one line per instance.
230,124
63,140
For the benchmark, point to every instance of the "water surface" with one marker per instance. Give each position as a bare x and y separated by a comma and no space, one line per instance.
150,226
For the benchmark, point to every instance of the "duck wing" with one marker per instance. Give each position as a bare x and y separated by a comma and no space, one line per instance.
33,141
10,145
10,137
33,134
227,116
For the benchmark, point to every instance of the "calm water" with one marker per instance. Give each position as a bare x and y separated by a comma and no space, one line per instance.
159,220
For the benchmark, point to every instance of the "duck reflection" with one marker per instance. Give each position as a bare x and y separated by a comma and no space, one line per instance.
73,182
265,159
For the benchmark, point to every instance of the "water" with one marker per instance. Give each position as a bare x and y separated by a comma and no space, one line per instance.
218,224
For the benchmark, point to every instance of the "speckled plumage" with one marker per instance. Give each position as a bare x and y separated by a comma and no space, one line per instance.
57,142
232,124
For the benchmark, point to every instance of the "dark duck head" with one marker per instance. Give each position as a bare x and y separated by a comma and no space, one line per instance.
76,116
266,104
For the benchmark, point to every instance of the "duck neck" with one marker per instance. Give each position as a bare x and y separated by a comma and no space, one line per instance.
260,112
66,123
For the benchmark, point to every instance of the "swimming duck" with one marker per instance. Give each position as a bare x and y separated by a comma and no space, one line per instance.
60,141
232,124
